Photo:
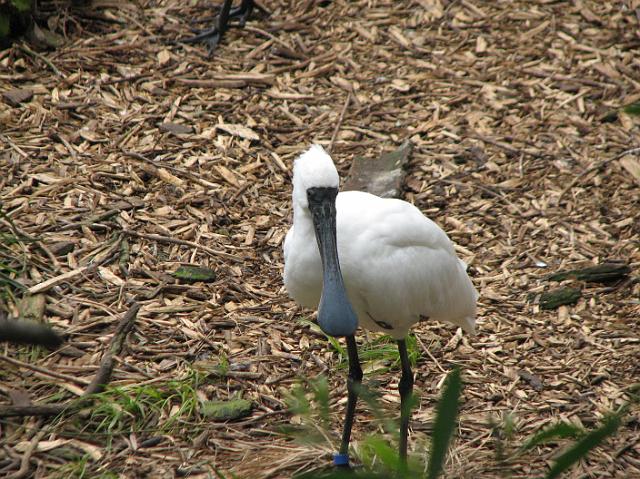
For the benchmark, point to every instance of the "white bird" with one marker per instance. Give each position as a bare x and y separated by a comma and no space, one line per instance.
369,261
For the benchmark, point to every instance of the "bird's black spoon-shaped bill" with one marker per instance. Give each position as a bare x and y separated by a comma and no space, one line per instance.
335,314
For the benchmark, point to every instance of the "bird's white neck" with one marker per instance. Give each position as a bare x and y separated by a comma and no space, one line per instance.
301,215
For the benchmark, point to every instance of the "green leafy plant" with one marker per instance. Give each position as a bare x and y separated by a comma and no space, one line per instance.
592,439
12,14
445,422
21,5
383,420
632,109
377,454
77,468
584,446
502,431
310,401
379,458
377,356
81,468
220,475
584,440
140,408
560,430
381,354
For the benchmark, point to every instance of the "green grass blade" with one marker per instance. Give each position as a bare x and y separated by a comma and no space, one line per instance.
632,109
445,423
21,5
561,430
582,447
342,351
6,279
387,456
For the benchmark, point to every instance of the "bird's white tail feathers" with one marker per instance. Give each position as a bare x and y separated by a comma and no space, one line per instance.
468,325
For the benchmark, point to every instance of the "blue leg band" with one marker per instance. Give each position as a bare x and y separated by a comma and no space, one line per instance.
341,459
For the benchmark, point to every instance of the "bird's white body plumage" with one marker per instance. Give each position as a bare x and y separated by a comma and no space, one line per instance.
398,266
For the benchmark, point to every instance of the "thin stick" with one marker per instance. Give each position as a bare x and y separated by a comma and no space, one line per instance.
182,172
497,143
103,376
264,33
594,168
44,371
486,190
339,124
52,257
25,462
35,410
29,51
433,358
97,385
167,239
56,280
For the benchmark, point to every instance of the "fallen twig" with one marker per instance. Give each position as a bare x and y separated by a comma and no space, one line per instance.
49,63
97,385
56,280
46,372
336,130
103,376
25,462
167,239
597,166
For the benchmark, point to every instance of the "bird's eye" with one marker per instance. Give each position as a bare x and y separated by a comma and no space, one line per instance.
318,194
312,195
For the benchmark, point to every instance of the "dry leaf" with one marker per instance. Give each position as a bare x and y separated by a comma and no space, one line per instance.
239,130
481,45
17,95
46,178
43,446
227,175
342,83
400,85
109,276
164,57
632,165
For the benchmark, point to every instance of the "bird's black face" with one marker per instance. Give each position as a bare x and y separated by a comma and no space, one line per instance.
335,314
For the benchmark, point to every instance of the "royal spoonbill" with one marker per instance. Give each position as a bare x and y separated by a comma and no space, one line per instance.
371,262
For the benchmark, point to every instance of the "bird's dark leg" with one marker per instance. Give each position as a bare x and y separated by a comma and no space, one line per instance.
353,384
243,12
213,35
406,389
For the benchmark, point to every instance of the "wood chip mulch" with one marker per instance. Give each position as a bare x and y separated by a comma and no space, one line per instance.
125,155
